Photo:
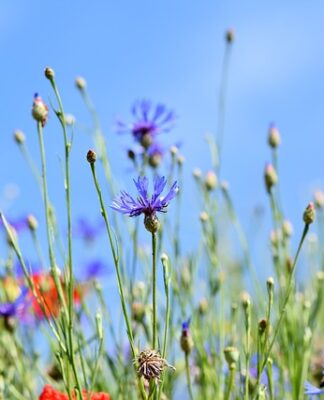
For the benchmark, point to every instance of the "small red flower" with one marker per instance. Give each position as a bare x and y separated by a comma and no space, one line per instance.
47,293
50,393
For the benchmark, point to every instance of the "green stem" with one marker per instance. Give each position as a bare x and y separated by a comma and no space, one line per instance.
67,147
154,305
284,305
230,382
119,280
188,376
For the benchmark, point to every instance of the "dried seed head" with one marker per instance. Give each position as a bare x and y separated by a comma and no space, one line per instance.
309,214
19,136
151,364
80,83
91,156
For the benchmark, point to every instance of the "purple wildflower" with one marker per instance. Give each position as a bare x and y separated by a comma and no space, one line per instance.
126,204
311,390
86,230
16,308
149,121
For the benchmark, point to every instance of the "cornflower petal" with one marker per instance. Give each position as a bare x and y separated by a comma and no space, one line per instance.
312,390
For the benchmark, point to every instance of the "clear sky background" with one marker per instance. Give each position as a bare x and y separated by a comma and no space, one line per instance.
168,51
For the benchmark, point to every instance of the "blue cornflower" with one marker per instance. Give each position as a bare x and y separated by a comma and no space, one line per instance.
149,121
127,205
15,308
86,230
311,390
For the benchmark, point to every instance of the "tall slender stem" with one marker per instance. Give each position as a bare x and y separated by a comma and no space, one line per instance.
154,327
188,376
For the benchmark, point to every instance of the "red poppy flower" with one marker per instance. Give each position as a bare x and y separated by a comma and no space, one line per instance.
50,393
47,294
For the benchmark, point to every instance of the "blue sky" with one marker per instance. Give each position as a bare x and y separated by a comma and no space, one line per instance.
169,51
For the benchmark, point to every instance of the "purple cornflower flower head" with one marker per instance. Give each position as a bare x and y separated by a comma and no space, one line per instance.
126,204
186,327
95,268
311,390
87,231
15,308
149,120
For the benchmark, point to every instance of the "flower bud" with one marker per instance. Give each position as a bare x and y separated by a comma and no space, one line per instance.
32,222
186,341
211,180
19,137
146,140
230,36
204,217
155,160
203,306
180,159
274,137
262,325
138,311
270,283
49,73
319,199
309,214
69,119
91,156
39,110
270,177
231,354
287,229
174,150
196,173
80,83
246,300
152,223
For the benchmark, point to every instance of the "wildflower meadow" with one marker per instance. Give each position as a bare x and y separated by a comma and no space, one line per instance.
161,289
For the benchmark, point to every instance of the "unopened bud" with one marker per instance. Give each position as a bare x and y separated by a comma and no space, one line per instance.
246,300
203,306
91,156
180,159
174,150
211,180
196,173
19,137
138,311
274,137
229,36
155,160
80,83
270,177
49,73
69,119
289,264
186,341
231,355
262,325
309,214
287,229
39,110
152,223
146,140
204,217
270,283
32,222
319,199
